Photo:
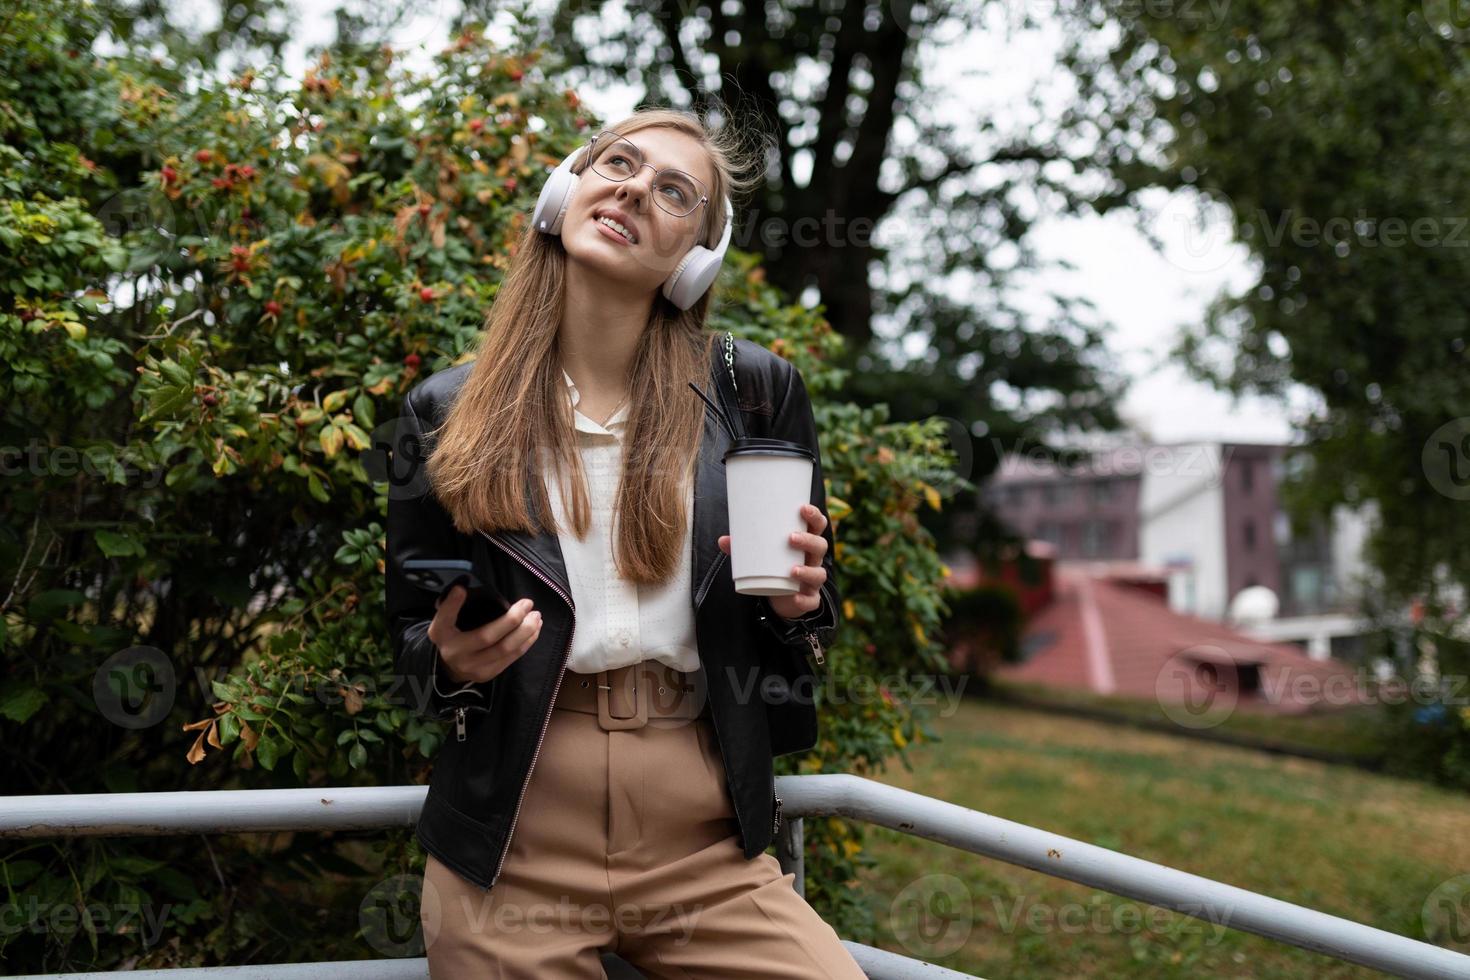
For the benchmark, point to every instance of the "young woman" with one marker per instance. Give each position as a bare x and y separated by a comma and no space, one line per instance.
608,783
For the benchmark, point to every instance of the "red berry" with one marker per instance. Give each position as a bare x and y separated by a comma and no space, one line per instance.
477,124
424,209
411,360
203,156
426,294
169,175
210,400
516,74
581,123
272,307
510,184
247,171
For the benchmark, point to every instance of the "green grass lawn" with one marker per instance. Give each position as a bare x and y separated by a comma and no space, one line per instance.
1333,838
1347,731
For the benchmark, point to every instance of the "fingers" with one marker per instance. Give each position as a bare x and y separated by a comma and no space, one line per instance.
816,521
504,627
811,578
814,545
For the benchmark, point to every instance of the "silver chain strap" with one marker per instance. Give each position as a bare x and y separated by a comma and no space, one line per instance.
730,357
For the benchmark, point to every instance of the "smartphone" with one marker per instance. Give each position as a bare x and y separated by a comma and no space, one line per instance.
438,575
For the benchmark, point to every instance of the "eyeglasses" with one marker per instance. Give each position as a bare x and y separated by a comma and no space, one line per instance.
616,158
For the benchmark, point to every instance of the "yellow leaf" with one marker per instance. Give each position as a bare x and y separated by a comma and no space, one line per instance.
848,609
331,440
931,495
76,331
898,738
335,400
946,570
837,508
851,847
919,635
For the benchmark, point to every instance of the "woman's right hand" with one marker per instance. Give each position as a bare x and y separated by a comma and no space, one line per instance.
482,654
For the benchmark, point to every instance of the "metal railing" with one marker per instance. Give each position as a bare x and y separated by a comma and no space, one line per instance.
852,797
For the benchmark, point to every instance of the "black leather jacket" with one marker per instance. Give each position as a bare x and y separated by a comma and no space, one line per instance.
757,670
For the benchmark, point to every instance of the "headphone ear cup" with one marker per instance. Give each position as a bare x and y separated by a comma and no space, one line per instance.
695,274
556,197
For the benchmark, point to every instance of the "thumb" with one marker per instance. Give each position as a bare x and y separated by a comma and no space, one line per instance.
455,594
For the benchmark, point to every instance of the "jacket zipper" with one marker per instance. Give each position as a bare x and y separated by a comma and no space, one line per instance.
776,827
565,654
811,637
719,740
459,724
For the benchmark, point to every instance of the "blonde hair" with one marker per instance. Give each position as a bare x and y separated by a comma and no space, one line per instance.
514,401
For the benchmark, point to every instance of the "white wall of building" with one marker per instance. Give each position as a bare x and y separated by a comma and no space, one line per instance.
1182,524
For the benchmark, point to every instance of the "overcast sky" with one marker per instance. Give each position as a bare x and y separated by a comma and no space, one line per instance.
1144,294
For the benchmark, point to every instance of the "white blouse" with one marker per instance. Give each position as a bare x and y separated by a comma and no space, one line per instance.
619,622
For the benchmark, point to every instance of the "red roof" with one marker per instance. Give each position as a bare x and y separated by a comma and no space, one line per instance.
1112,638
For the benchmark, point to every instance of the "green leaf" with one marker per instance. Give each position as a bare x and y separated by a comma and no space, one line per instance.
115,544
266,751
19,702
357,758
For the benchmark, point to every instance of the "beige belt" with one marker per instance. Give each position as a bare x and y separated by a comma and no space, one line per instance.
626,697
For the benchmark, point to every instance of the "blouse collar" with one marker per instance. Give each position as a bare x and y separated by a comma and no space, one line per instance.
614,426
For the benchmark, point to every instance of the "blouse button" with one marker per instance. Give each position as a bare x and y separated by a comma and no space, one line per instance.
624,637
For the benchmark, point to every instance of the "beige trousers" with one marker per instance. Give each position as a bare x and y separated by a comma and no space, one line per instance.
627,840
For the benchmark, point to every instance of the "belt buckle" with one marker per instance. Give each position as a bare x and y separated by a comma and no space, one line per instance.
618,723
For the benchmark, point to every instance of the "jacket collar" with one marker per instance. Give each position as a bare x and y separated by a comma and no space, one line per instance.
711,516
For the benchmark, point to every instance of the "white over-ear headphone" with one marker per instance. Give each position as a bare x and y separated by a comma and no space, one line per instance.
695,273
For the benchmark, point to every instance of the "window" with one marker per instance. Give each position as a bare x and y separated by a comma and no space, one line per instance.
1103,491
1094,538
1248,533
1247,475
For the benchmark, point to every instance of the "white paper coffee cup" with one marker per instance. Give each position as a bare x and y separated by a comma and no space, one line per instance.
766,483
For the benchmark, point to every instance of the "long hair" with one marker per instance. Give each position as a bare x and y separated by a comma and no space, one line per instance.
487,462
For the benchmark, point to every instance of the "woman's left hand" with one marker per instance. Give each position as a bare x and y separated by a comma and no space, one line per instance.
811,575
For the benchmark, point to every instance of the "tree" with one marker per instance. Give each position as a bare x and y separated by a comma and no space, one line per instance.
1334,135
857,138
213,295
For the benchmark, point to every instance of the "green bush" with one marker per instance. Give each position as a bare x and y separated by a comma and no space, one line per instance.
211,297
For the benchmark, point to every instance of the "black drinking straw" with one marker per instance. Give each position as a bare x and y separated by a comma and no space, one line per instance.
724,420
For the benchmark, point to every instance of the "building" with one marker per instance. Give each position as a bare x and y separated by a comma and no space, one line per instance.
1208,518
